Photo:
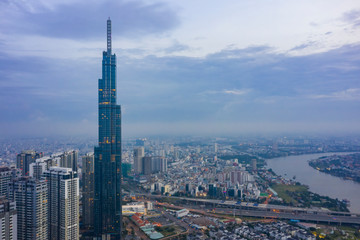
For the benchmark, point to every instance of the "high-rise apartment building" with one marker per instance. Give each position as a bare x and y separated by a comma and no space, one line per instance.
8,219
139,153
158,164
63,202
253,164
6,175
147,165
69,159
88,191
37,168
107,156
31,197
25,158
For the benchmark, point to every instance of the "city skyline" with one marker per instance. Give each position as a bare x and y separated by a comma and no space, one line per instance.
186,68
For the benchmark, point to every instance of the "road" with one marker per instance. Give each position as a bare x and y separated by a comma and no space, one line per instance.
268,211
282,215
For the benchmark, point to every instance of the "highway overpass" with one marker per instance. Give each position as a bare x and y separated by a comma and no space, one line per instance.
266,210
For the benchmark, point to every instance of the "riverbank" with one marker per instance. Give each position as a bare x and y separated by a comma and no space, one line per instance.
299,196
318,182
346,167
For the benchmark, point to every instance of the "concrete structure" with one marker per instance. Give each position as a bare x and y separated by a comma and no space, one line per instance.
25,158
8,219
37,168
158,164
31,197
88,190
147,165
63,202
133,208
253,164
69,159
138,155
6,176
182,213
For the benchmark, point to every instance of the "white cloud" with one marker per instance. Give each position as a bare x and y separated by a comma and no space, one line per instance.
345,95
238,92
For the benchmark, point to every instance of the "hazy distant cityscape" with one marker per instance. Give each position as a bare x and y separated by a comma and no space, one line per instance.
179,120
212,178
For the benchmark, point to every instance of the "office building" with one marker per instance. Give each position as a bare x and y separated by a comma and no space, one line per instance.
138,155
107,156
63,202
25,158
31,197
8,219
88,191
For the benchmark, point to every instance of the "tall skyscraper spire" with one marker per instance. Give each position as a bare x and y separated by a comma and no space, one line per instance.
109,36
107,156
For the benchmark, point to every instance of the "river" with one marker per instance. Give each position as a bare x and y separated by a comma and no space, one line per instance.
318,182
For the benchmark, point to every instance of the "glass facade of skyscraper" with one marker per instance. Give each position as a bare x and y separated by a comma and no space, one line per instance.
107,156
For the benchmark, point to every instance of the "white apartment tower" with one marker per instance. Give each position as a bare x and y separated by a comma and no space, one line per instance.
63,197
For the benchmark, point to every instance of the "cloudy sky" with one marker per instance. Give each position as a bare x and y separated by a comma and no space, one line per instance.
201,67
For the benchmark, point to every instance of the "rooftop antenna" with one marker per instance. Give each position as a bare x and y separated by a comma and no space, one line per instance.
109,36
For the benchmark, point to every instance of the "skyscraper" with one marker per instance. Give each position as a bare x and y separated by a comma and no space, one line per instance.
8,219
138,155
6,175
158,164
31,200
107,156
69,159
37,168
88,190
147,165
25,158
63,202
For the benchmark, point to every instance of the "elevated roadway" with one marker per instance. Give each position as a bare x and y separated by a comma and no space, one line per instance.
266,210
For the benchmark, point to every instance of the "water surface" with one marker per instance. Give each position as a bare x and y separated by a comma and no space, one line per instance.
318,182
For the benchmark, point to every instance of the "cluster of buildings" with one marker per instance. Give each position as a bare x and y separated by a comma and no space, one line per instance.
40,197
345,166
196,174
145,226
260,231
147,165
137,208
